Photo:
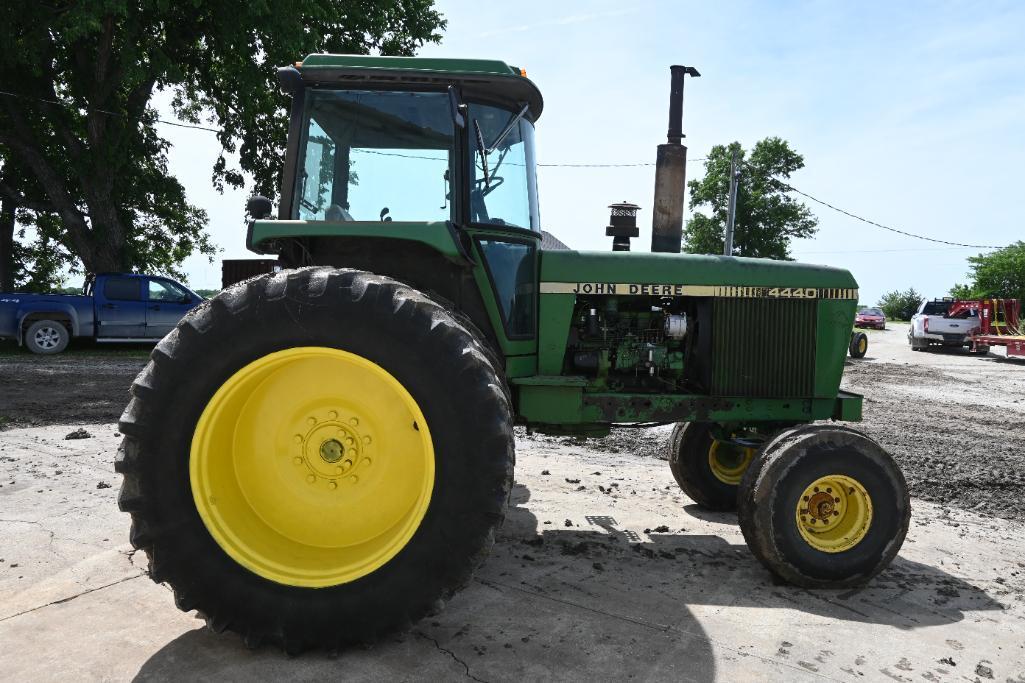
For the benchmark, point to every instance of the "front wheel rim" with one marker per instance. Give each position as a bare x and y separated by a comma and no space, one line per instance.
312,466
729,461
834,513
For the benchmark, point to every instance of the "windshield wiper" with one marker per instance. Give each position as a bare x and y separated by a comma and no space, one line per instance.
483,153
508,128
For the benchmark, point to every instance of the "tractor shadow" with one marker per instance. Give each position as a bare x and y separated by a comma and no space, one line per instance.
594,603
608,561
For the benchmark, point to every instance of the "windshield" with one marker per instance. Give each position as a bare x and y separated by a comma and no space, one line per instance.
871,311
506,194
370,156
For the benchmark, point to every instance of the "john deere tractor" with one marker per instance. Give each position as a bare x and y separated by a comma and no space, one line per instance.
320,456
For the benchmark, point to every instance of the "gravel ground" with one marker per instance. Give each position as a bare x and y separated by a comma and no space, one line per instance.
955,422
81,386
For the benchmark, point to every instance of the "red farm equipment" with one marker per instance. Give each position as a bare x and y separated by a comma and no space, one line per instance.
1000,324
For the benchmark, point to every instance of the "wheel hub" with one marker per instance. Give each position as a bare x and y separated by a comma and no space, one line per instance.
834,513
332,450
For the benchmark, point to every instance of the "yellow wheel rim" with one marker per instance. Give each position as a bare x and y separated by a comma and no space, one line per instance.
862,345
728,462
312,466
834,513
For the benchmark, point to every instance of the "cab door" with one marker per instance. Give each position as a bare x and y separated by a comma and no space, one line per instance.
120,310
166,303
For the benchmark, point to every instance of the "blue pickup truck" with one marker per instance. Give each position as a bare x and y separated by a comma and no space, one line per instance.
113,307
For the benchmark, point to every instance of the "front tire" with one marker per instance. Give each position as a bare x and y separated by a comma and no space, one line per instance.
824,506
47,337
859,345
316,458
707,470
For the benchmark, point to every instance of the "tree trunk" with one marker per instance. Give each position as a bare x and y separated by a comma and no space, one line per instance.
6,246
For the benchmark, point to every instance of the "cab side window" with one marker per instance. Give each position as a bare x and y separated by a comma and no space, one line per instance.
160,290
121,289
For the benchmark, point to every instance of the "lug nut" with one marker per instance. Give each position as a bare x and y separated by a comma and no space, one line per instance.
806,499
354,421
332,485
310,479
297,460
298,438
354,479
836,500
332,415
836,513
366,440
311,421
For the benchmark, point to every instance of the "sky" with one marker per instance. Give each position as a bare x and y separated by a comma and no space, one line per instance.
909,114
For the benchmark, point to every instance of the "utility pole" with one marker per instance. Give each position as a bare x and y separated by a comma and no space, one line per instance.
732,212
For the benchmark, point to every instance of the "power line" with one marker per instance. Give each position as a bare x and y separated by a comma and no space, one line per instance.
68,105
791,188
788,187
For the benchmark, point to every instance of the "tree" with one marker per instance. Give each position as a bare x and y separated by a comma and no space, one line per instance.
999,274
82,124
767,218
899,305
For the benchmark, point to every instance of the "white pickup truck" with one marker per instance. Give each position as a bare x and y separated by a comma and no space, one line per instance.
944,322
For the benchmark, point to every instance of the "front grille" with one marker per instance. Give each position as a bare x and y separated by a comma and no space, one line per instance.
763,348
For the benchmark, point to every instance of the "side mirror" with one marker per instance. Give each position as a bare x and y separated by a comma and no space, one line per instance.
384,215
186,299
258,207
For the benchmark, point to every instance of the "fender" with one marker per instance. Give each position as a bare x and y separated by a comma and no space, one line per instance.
51,308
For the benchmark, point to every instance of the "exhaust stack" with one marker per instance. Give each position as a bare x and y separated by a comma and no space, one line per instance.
671,172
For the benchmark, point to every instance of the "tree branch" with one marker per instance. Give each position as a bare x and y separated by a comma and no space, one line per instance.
21,201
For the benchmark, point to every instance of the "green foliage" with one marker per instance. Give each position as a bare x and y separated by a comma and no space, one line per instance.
899,305
999,274
960,291
207,293
767,217
94,181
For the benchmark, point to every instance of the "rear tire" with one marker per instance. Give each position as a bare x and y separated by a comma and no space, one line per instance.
708,471
47,337
864,529
344,313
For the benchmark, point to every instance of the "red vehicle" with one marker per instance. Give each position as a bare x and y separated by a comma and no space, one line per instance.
870,317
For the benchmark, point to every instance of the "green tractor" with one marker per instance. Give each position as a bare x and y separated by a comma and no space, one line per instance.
320,456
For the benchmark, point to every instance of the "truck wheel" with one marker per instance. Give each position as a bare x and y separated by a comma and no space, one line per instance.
824,506
708,470
316,458
47,337
859,345
917,345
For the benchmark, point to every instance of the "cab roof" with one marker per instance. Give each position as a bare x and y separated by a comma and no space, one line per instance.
487,78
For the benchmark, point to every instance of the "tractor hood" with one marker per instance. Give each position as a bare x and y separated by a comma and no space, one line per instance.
640,273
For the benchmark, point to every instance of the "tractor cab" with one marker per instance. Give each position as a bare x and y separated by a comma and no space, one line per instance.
373,140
